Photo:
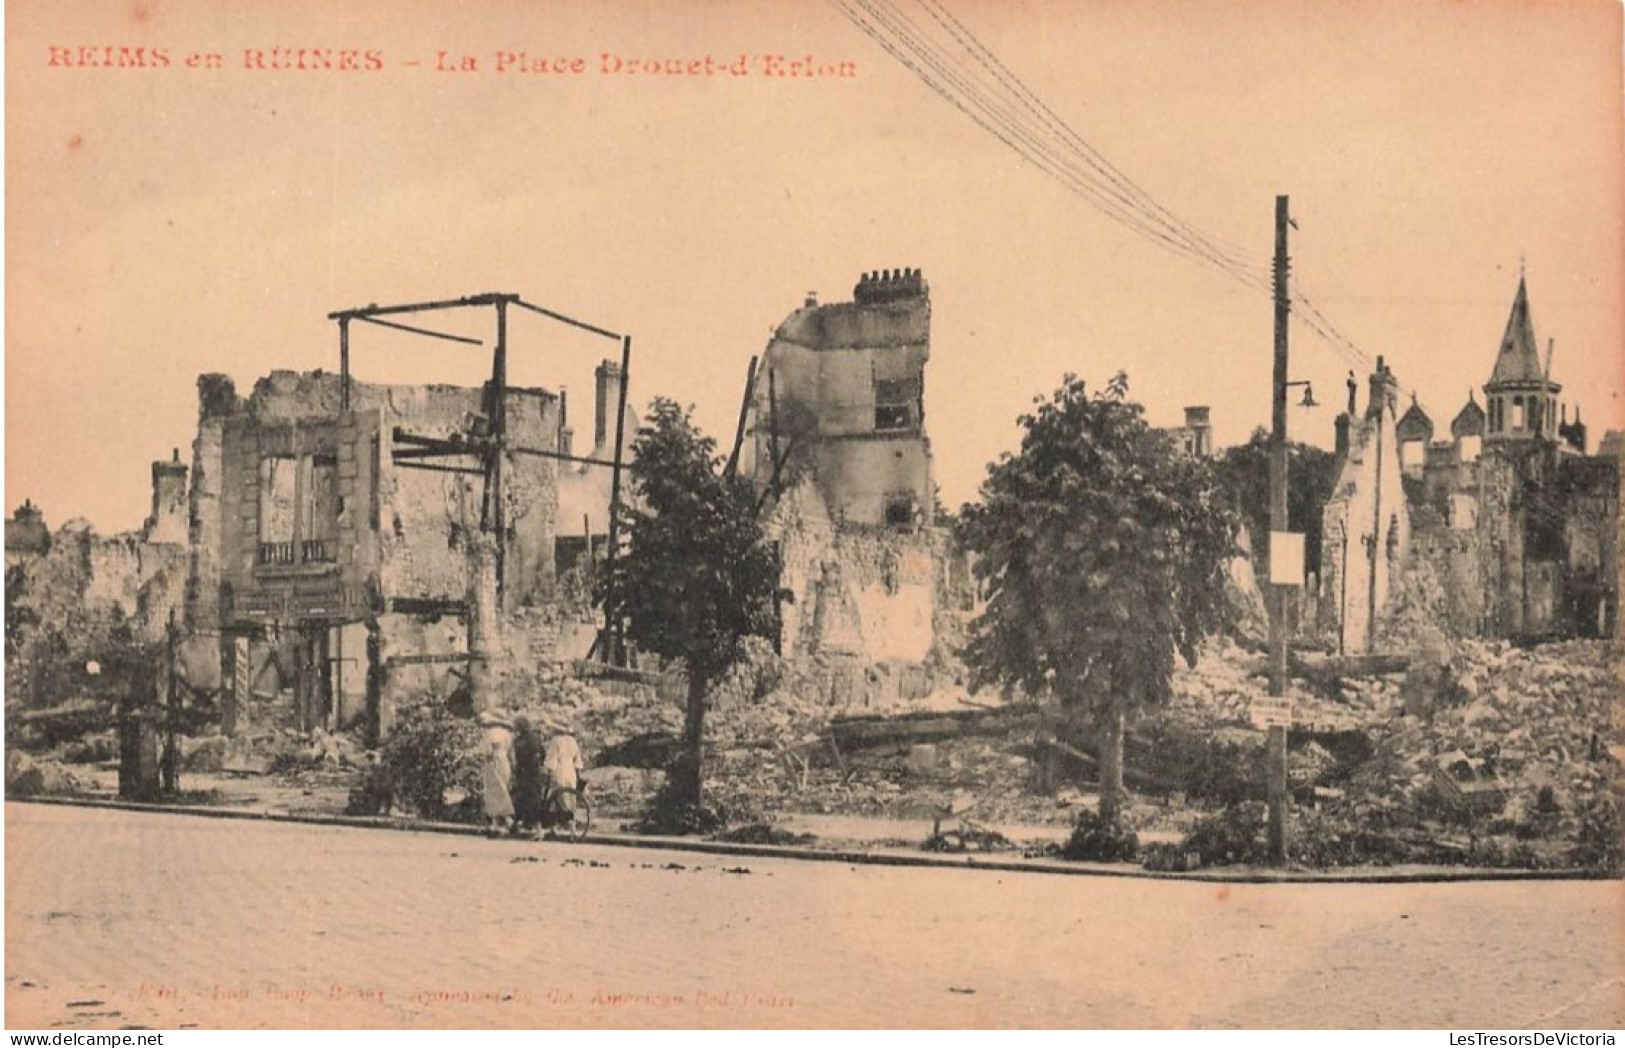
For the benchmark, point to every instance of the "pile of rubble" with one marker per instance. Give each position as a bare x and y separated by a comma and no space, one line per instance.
901,783
264,750
1543,718
1220,690
27,777
1500,752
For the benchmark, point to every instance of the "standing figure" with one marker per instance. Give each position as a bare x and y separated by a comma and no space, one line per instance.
562,766
495,797
529,783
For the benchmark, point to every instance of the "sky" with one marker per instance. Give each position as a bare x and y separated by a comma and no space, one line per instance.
163,222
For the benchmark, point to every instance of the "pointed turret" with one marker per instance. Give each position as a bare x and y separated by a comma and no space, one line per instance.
1519,359
1520,397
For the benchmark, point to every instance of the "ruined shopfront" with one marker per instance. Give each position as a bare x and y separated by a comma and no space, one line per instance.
335,564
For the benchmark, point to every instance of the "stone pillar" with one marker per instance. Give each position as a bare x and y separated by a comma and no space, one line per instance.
375,684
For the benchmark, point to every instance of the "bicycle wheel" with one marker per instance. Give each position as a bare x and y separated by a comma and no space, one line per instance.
581,824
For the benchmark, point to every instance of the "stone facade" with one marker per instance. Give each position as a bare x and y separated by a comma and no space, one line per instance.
1516,528
1366,525
840,397
835,441
333,561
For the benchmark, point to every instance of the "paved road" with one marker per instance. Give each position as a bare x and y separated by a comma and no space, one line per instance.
132,919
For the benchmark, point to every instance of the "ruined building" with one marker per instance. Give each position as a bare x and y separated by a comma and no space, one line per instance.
137,577
584,492
1366,527
333,557
1515,526
834,439
839,400
86,595
357,548
1195,437
27,536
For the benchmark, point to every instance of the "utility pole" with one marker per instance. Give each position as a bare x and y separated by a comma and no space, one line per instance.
614,623
1276,788
170,764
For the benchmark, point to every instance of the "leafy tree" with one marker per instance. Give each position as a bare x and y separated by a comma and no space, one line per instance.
1244,475
697,577
1104,549
428,752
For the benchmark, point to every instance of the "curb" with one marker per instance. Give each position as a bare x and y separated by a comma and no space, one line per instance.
856,857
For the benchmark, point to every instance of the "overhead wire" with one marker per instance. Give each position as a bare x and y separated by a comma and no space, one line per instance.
999,102
1116,185
1091,156
956,88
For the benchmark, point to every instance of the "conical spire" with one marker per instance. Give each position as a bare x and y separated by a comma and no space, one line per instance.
1519,360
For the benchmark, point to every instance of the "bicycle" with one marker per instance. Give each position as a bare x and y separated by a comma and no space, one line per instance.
566,812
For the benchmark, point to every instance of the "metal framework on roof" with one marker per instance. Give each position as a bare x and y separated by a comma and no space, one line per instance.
487,440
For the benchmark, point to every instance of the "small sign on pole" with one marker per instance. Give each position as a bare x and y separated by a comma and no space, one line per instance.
1272,712
1286,558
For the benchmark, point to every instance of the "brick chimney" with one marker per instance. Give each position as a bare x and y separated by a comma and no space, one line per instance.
608,401
168,522
566,434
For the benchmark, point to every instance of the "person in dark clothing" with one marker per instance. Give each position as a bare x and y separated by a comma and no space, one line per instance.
527,776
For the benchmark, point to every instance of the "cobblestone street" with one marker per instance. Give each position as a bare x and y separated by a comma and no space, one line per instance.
130,919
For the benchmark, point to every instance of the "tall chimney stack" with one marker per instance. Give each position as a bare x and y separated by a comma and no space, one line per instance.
608,401
169,519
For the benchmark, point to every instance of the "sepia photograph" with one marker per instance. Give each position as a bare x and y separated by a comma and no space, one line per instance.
814,514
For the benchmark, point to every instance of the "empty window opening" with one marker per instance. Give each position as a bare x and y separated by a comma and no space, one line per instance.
896,403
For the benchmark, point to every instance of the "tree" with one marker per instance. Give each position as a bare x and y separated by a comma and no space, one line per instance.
697,577
1244,474
1104,550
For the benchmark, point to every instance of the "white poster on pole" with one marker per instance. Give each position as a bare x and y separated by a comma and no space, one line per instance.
1286,558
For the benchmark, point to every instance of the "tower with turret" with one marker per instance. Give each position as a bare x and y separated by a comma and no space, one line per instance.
1520,398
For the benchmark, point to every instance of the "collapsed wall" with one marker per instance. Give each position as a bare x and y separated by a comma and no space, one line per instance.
331,539
1523,546
837,446
875,614
1366,529
81,599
